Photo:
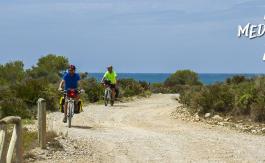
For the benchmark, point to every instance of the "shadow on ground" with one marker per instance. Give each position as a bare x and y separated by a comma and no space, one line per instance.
82,127
120,105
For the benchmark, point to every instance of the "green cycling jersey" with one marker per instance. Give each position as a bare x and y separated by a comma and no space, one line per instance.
111,77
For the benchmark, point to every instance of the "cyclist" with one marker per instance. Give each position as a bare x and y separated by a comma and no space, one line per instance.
70,81
110,78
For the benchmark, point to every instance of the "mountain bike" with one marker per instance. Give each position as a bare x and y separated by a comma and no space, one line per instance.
108,94
71,100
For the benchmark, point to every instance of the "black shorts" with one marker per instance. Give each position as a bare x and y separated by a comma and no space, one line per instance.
113,86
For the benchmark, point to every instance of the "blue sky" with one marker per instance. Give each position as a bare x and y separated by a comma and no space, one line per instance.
134,35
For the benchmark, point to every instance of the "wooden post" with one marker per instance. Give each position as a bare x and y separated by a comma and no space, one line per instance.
42,123
12,146
19,150
15,142
3,144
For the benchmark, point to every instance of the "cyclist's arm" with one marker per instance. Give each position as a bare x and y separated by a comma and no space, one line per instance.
78,84
78,81
116,77
61,85
104,77
102,80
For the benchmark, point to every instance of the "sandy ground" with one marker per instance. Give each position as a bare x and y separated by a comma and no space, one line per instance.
143,131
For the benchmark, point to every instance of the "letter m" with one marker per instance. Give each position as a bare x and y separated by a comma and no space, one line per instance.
243,31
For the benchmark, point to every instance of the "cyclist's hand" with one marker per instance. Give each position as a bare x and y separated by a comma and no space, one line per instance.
60,89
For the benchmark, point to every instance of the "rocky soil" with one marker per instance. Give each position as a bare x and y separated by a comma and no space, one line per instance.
155,129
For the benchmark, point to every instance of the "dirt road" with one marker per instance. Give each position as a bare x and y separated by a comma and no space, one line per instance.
143,131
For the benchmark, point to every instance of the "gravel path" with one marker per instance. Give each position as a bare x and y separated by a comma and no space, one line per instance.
143,131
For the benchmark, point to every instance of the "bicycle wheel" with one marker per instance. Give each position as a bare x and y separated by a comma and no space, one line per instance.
111,98
70,109
106,98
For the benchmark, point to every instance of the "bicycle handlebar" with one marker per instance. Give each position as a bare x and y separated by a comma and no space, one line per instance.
78,90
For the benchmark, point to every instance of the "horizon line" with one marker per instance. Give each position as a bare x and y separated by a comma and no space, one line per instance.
174,72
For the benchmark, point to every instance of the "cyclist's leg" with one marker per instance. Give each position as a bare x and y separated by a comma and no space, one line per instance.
65,112
116,91
113,91
76,103
65,108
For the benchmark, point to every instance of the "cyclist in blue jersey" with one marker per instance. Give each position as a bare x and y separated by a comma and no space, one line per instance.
70,81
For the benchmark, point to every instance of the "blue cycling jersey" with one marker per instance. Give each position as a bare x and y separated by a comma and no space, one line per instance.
71,82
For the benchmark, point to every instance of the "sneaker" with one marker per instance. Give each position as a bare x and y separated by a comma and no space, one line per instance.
64,119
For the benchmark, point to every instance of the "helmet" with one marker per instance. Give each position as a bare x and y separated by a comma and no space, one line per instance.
72,67
110,66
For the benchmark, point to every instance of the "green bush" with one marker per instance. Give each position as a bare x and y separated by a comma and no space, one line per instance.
94,90
14,106
239,98
257,111
182,77
130,87
159,88
50,67
11,73
145,85
216,98
236,79
212,98
20,89
189,95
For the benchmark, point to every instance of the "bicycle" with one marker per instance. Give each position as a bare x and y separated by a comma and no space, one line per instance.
70,98
108,94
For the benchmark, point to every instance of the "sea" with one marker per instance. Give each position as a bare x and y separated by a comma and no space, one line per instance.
205,78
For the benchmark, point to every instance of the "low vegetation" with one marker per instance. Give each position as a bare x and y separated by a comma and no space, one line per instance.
179,81
237,96
182,77
20,88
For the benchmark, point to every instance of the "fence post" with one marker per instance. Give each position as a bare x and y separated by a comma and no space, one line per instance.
42,123
19,150
3,144
15,142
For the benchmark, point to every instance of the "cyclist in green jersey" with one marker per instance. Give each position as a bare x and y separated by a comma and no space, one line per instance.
110,78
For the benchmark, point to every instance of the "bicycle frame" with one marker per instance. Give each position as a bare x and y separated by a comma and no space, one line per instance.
70,105
108,96
70,110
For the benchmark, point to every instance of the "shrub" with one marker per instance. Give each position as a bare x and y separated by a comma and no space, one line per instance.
94,90
50,67
213,98
11,72
257,111
189,95
182,77
21,89
216,98
246,98
236,79
159,88
130,87
145,85
14,106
